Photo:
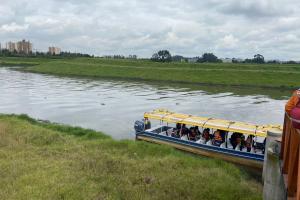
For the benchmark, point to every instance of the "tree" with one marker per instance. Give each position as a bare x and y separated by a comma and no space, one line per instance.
291,62
162,56
208,57
258,58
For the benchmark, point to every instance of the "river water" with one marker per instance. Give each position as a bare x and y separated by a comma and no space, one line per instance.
112,106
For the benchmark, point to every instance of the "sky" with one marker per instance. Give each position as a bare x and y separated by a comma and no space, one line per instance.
227,28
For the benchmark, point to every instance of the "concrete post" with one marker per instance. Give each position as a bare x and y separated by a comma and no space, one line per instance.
273,180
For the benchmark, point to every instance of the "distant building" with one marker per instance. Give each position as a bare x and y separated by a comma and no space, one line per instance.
192,60
24,47
226,60
11,46
54,51
237,60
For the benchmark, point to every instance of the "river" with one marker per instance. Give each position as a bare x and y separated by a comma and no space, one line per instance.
112,106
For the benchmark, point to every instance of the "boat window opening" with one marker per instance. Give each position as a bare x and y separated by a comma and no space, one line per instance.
212,137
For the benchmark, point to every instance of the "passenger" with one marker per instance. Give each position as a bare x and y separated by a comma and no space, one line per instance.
184,133
238,143
248,143
184,130
176,131
205,136
217,140
243,142
192,134
170,131
178,126
235,139
223,134
260,146
198,133
147,123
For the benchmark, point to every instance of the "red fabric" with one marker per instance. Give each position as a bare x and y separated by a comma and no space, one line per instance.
295,114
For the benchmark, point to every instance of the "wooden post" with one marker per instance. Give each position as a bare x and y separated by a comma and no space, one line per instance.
293,163
273,180
298,181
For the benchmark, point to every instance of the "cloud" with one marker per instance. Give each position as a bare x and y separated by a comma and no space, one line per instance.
256,8
228,42
230,28
13,27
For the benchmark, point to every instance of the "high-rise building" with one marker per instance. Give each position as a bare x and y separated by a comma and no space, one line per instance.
54,50
11,46
23,47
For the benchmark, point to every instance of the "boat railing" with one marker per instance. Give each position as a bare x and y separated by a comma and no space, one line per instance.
290,157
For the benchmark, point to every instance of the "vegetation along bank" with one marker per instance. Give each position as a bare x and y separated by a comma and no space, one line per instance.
228,74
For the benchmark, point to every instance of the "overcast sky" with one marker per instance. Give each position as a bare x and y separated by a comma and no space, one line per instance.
228,28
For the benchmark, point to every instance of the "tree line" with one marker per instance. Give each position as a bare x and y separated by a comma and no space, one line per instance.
7,53
165,56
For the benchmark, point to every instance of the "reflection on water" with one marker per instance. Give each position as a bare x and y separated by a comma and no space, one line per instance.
113,106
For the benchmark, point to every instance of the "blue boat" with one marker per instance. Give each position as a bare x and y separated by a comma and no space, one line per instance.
232,145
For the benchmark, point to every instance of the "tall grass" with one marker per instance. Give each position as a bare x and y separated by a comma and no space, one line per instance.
40,160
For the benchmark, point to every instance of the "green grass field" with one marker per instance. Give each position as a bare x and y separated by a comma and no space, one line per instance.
40,160
249,75
21,61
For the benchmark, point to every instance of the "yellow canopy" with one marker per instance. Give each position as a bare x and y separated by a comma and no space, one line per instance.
226,125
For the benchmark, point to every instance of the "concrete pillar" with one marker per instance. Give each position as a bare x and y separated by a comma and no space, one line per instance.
273,180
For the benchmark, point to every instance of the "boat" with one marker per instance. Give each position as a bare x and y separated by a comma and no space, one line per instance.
163,133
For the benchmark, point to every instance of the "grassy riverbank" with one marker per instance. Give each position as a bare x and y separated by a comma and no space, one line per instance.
21,61
222,74
48,161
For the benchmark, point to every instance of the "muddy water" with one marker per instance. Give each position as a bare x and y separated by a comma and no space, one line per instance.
112,106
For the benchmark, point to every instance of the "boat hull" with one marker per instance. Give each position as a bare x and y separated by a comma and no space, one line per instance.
242,158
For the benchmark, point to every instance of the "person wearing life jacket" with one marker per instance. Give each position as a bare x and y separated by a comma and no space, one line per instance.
217,139
292,108
147,123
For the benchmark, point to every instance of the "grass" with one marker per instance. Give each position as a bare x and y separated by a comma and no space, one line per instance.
22,61
220,74
40,160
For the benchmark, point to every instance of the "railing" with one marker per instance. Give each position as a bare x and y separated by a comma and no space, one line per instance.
290,156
